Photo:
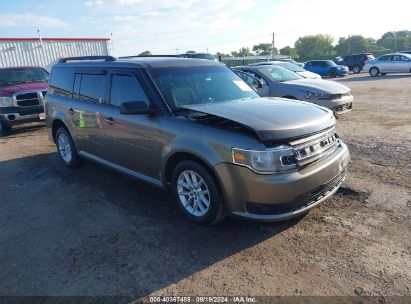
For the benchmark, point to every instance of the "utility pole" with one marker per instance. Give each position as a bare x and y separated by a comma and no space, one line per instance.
273,47
177,49
349,44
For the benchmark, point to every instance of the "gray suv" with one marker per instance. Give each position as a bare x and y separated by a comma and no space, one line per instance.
195,128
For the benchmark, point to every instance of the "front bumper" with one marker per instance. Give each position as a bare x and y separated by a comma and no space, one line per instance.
342,72
281,196
340,105
19,115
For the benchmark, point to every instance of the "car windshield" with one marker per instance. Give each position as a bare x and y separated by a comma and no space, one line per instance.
10,76
370,57
278,74
200,85
330,63
291,66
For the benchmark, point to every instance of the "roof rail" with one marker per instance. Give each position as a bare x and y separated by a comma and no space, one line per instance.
136,56
80,58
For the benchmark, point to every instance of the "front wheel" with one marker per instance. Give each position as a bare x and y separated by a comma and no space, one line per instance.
333,74
374,72
197,193
66,149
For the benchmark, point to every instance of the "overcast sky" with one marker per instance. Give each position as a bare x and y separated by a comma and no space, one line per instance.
161,26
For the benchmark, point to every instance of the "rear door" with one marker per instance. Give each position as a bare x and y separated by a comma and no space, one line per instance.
89,95
400,64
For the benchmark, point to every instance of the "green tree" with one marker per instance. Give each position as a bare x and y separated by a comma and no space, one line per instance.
355,44
289,51
263,49
221,54
145,53
395,41
315,47
243,52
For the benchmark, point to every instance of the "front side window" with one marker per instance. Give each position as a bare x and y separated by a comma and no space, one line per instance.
125,88
200,85
385,58
330,63
93,88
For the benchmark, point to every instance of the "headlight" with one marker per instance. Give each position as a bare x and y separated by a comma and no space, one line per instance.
309,94
266,161
6,102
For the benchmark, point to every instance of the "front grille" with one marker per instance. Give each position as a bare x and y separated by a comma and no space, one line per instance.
28,99
337,96
327,187
342,108
310,149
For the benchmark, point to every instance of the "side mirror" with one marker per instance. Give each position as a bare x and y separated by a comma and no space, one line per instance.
257,83
135,107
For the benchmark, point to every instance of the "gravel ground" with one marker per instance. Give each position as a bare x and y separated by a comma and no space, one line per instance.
92,231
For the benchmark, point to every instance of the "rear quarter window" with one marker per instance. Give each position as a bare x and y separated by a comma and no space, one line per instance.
61,82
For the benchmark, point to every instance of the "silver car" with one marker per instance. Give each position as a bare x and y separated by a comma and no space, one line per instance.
292,67
390,63
275,81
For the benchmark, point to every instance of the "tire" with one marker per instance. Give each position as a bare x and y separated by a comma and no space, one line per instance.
374,71
3,129
66,149
193,201
356,69
333,74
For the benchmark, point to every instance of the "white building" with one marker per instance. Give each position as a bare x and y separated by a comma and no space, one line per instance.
45,52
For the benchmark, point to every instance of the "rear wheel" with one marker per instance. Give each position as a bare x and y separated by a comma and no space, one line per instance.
66,149
356,69
3,128
374,72
197,193
333,74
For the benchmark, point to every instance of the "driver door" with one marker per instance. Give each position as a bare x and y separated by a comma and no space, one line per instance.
132,141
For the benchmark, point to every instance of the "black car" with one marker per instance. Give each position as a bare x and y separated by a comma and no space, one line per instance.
355,62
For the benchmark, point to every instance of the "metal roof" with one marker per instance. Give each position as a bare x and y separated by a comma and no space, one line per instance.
54,39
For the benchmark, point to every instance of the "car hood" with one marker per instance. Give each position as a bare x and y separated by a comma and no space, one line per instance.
318,86
272,118
308,74
9,90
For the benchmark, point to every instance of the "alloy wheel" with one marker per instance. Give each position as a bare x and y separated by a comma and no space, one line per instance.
193,193
64,148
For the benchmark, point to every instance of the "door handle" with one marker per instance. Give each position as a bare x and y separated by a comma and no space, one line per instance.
110,120
70,111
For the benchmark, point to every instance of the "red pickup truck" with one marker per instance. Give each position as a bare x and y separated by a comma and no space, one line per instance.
21,96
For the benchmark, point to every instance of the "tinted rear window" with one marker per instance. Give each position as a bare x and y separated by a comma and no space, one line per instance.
93,88
61,81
